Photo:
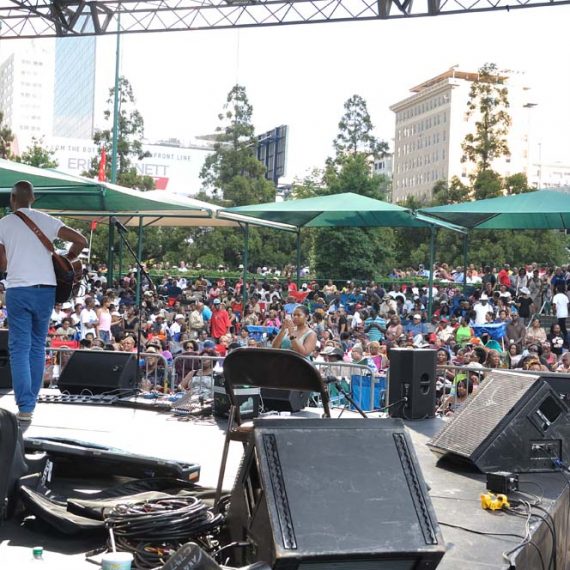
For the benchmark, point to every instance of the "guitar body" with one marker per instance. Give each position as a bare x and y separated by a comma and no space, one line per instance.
68,275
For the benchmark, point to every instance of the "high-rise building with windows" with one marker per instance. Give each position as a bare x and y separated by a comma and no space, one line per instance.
26,91
432,123
74,89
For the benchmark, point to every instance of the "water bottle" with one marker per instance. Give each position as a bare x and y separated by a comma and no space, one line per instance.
38,554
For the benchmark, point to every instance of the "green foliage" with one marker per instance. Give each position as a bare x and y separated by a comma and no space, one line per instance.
37,155
445,193
6,139
353,253
310,186
487,184
517,184
129,141
353,174
355,131
489,103
232,171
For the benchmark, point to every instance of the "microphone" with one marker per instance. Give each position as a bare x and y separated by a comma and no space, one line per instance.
115,221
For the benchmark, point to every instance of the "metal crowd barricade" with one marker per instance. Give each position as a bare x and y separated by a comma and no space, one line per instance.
199,382
367,387
151,374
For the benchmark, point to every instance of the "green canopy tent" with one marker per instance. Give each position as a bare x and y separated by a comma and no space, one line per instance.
343,210
62,194
539,210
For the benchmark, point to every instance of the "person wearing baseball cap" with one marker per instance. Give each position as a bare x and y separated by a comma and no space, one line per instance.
220,321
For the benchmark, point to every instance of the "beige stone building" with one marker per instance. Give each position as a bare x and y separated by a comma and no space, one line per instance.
432,123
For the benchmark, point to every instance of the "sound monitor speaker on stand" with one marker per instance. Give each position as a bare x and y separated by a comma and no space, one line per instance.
5,372
284,400
98,372
346,494
412,383
514,422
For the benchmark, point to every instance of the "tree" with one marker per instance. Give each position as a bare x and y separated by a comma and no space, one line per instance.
361,253
38,155
129,141
489,104
6,139
517,184
452,192
355,131
487,184
232,171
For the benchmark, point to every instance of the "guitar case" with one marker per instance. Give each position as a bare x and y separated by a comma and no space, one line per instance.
12,461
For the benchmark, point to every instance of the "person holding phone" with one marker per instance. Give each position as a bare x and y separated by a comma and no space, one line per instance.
295,333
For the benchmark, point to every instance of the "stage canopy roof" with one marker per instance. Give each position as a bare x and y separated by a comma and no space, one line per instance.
543,209
339,210
66,195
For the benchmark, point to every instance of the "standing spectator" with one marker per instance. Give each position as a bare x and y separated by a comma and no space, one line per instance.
504,277
488,277
516,331
104,320
220,321
535,288
88,319
481,309
525,305
375,327
560,301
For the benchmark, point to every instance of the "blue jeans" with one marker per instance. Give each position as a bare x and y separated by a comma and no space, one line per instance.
29,311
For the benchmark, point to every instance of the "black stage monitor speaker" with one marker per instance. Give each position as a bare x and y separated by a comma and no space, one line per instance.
5,372
514,422
99,371
560,384
342,494
412,383
284,400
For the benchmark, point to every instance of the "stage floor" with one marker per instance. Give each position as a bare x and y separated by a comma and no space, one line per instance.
455,493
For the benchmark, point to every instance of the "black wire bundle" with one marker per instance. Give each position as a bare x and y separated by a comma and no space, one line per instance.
153,530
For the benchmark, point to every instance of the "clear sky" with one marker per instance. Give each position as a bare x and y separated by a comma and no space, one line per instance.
301,75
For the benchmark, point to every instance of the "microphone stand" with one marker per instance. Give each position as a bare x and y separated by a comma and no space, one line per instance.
122,231
338,385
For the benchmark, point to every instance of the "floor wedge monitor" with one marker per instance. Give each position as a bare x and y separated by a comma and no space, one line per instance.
514,422
342,494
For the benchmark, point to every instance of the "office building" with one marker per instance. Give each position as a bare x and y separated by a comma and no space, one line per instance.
431,125
26,91
74,88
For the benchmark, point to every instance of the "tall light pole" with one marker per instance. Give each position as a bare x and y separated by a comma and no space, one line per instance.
529,107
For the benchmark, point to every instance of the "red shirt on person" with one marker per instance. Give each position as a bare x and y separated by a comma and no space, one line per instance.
219,321
504,278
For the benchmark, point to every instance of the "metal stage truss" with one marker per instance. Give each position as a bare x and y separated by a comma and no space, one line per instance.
57,18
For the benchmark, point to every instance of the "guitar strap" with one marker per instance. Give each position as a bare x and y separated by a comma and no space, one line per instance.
33,226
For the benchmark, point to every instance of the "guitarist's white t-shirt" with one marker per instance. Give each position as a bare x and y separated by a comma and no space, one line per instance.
29,262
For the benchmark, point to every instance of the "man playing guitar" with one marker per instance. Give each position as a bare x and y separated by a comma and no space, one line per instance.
30,290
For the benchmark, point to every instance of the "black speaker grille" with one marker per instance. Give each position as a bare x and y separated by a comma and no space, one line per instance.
278,484
494,399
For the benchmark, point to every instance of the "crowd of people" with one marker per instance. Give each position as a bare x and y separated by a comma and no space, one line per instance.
494,323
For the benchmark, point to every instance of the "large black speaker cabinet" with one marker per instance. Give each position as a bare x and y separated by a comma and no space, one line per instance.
560,384
514,422
342,494
99,371
412,383
284,400
5,372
